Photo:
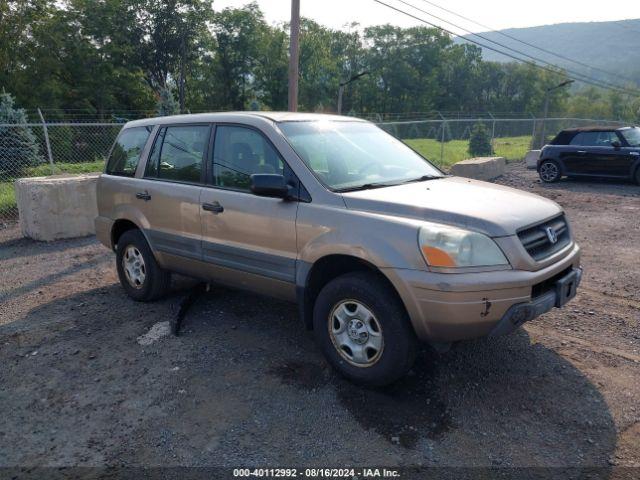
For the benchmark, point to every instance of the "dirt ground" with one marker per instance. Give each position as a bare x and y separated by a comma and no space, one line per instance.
245,384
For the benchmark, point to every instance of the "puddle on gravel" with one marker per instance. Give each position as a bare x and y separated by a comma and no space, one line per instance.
305,375
402,413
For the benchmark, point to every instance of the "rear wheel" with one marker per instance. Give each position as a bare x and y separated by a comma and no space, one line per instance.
363,329
549,171
139,273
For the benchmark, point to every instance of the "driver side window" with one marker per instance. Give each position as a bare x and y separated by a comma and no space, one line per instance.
238,153
595,139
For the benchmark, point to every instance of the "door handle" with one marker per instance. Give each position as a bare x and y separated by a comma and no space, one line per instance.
143,196
214,207
582,152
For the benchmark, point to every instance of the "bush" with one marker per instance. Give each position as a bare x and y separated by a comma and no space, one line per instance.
480,141
18,144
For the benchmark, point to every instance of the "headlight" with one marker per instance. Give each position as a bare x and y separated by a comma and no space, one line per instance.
444,246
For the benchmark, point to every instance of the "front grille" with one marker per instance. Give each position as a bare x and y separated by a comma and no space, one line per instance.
536,240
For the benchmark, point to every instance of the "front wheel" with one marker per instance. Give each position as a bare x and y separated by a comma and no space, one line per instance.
139,273
363,329
549,171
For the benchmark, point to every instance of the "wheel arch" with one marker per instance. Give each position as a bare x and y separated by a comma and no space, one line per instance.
635,168
312,277
123,225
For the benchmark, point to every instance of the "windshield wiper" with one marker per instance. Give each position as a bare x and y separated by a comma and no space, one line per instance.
369,186
366,186
423,178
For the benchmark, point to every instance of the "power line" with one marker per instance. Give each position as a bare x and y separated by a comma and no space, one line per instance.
506,54
576,75
549,52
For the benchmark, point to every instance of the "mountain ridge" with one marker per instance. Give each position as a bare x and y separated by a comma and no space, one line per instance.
613,46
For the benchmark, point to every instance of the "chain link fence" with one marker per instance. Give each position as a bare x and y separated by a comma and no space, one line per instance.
445,141
36,150
43,149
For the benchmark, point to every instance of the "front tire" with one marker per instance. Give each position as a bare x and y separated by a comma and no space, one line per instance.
139,273
549,171
364,330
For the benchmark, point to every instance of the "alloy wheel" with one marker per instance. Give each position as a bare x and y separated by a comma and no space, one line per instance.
549,171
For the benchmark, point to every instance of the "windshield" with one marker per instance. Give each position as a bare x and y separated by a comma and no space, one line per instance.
355,155
632,136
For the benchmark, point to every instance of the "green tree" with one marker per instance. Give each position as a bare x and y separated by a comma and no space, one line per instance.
167,104
480,141
239,35
18,144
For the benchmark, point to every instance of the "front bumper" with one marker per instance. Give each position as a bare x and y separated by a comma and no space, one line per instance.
447,307
563,290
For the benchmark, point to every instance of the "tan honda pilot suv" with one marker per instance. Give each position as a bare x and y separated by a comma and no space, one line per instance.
379,248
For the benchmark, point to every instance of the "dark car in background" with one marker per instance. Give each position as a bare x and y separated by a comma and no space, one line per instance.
607,152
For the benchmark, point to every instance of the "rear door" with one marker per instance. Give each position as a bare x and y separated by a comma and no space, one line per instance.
169,193
248,241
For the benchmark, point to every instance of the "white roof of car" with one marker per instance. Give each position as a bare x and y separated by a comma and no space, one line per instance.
241,116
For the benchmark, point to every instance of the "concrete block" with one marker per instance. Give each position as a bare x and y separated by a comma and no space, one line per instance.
60,206
531,159
481,168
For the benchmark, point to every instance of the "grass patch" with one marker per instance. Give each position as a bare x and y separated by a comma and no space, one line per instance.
44,170
8,207
511,148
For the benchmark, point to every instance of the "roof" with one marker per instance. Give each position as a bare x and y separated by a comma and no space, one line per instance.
594,128
242,116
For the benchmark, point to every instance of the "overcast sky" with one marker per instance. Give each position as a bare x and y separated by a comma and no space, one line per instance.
498,14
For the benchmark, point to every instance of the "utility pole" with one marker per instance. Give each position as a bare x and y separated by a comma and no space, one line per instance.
294,55
546,109
181,85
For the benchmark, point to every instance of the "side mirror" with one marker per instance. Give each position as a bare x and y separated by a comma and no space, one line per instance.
617,145
269,185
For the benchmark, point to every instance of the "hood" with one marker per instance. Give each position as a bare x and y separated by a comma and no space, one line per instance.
492,209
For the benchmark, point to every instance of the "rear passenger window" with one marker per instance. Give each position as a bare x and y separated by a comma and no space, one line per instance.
240,152
177,153
126,152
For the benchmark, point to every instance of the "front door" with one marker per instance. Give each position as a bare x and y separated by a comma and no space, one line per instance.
249,241
609,161
594,154
170,194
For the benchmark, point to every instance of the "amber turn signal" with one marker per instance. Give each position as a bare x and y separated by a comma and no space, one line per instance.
437,258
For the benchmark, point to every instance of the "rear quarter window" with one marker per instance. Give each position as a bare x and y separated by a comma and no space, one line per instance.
563,138
127,150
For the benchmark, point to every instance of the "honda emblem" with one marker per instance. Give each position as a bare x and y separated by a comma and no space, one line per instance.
551,235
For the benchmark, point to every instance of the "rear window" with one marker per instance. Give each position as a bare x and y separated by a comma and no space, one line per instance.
127,150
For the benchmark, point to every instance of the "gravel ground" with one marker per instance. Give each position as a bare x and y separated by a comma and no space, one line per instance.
87,377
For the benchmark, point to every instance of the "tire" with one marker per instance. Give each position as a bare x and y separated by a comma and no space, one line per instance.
388,353
549,171
154,281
